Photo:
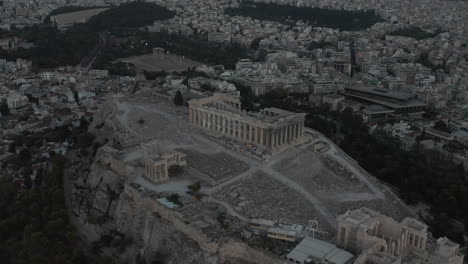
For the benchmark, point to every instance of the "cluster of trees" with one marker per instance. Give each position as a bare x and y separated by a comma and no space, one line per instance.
195,47
129,15
153,75
34,226
441,126
199,49
420,176
55,48
178,99
319,17
4,109
414,32
318,45
113,51
117,68
424,60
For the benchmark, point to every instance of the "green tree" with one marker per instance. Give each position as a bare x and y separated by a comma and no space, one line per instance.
12,148
441,126
25,156
174,198
4,109
195,187
178,99
85,140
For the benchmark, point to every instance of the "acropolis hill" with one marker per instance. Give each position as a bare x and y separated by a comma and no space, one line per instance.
251,167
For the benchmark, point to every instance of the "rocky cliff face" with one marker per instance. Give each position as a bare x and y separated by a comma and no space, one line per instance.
157,236
104,199
159,230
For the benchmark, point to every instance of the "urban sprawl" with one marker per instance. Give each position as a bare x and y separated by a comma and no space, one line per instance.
244,153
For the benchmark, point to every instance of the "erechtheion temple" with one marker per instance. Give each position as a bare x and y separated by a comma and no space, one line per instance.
157,162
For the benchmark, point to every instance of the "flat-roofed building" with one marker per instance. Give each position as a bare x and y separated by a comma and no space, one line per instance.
282,234
444,136
400,102
376,113
271,130
311,250
323,86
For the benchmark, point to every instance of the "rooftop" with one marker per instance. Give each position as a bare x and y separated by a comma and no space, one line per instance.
310,247
394,100
384,92
377,109
364,218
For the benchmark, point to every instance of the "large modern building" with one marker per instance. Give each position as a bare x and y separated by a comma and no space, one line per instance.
272,129
323,86
400,102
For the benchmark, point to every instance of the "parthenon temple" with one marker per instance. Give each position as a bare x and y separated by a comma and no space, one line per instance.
272,129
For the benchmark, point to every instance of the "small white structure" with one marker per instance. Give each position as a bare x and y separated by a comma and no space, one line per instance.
15,100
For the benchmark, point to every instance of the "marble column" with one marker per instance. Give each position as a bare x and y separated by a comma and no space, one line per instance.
245,131
294,130
277,137
290,128
214,126
208,121
203,119
255,135
224,125
199,117
261,141
301,126
252,133
273,139
233,127
283,134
